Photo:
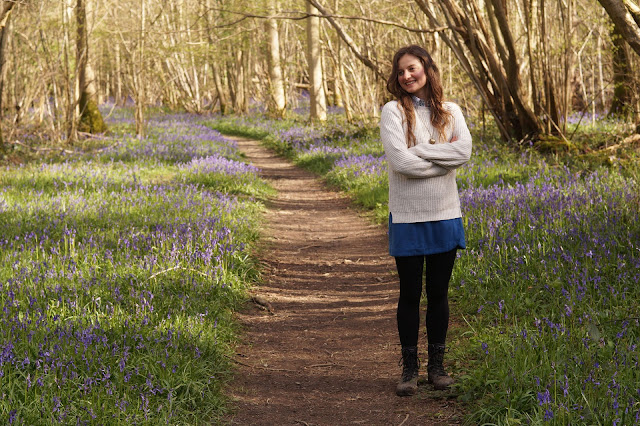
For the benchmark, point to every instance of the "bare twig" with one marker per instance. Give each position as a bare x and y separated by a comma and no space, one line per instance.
304,15
306,247
300,16
88,135
163,272
259,366
330,364
405,420
631,140
66,151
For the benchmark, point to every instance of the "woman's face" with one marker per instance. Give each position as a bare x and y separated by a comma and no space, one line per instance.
411,75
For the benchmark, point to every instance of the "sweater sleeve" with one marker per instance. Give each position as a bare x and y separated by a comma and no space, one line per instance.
450,155
399,158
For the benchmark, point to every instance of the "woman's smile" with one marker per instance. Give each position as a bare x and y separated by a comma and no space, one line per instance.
411,75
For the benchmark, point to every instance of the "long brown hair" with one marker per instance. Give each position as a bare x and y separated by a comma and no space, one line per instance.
439,116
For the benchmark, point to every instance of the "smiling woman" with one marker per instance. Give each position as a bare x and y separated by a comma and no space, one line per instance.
425,139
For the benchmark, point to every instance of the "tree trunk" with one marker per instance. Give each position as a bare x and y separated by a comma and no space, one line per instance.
529,14
275,70
492,67
239,101
220,89
550,105
71,119
314,52
90,117
139,75
621,103
626,16
603,100
5,31
568,61
119,100
528,123
316,7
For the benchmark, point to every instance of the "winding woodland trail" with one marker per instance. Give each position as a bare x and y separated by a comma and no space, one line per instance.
328,353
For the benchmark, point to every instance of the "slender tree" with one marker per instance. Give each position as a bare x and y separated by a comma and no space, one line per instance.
622,78
5,30
275,70
314,52
89,115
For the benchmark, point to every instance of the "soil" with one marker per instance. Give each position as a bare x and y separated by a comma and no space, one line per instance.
320,344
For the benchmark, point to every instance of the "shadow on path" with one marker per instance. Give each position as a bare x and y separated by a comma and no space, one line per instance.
329,353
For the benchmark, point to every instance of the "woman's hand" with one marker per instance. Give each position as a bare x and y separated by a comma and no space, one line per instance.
453,139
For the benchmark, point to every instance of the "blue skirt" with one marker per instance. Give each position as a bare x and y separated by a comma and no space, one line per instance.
422,238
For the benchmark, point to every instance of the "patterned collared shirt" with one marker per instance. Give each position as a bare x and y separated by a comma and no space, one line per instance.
417,101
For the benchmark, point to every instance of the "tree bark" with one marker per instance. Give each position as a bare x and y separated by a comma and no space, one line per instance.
90,117
275,70
550,105
5,30
621,102
139,75
239,101
119,99
626,16
316,7
316,84
216,69
491,63
220,89
527,119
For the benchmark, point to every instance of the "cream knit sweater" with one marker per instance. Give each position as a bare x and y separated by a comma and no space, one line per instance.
422,179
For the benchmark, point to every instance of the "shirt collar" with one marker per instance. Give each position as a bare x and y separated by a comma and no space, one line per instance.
417,101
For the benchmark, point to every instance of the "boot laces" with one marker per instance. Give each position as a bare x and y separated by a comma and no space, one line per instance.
410,367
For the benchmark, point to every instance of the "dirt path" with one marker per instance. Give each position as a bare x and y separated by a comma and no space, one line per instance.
328,355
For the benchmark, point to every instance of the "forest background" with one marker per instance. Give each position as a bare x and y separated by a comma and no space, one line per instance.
531,65
106,117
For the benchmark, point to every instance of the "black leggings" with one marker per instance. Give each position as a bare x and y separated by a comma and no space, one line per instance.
439,268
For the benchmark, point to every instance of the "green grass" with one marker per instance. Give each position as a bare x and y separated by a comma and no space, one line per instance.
119,275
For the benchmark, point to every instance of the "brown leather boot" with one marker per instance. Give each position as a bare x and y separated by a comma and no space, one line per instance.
408,384
435,369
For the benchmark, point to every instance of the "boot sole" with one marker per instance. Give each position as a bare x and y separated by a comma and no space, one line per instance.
437,387
406,392
441,387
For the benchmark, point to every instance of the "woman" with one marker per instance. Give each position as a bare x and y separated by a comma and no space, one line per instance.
425,139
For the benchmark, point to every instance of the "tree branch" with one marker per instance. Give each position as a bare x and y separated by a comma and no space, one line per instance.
349,41
5,11
304,15
624,21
